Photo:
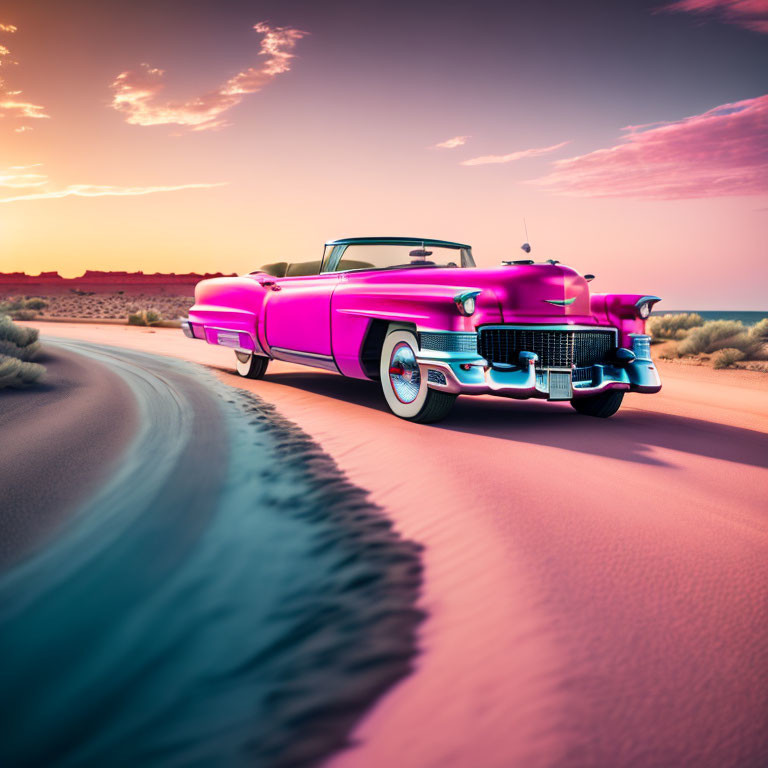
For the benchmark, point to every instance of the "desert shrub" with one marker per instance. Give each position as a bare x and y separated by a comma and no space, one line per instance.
17,373
720,334
725,358
22,309
145,317
11,305
21,337
24,314
17,346
26,353
760,330
673,326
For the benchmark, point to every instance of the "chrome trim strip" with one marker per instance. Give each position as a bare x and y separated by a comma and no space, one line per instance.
297,353
257,348
312,359
549,327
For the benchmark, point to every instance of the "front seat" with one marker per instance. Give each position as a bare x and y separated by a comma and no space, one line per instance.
303,269
278,269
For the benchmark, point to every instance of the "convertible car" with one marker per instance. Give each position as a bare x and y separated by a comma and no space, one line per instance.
418,316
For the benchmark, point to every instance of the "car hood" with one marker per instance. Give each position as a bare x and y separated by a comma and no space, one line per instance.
538,290
525,293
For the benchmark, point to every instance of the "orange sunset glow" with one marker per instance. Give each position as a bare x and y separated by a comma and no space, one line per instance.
161,139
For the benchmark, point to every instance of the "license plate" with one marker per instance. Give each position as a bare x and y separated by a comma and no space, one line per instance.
559,386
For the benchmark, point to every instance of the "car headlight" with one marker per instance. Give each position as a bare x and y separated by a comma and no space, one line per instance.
465,302
645,305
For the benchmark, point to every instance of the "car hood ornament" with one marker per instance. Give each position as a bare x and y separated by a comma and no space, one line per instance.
561,302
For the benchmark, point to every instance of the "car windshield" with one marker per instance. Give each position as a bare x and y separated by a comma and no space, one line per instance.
344,258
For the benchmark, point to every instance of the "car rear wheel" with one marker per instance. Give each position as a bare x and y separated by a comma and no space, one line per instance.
251,366
602,406
405,390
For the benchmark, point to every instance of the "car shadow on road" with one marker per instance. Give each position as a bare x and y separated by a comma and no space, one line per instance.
630,435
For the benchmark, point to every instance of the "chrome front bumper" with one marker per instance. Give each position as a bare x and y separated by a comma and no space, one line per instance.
464,372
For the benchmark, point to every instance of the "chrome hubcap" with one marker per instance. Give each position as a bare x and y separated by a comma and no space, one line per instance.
404,373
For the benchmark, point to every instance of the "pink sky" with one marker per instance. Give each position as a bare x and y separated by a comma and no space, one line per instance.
178,140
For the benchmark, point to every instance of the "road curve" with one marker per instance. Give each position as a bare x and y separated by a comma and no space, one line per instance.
597,590
60,440
223,597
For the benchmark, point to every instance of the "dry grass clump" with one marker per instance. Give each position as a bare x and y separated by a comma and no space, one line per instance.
724,334
17,347
145,317
725,358
17,335
673,326
22,309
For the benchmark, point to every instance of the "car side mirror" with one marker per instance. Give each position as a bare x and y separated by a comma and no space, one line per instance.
589,278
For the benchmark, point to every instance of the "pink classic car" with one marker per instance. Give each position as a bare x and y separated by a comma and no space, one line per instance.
418,316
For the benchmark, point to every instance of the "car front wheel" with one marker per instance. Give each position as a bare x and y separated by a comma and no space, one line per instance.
405,390
251,366
602,406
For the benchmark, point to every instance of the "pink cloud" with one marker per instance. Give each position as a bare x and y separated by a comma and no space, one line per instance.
752,14
723,151
22,108
93,190
136,92
512,156
10,105
456,141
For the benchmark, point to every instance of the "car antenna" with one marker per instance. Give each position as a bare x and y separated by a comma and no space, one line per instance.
526,246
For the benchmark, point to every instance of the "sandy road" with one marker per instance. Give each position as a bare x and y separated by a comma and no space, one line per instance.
597,590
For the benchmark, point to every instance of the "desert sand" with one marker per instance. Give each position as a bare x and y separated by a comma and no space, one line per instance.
596,590
110,306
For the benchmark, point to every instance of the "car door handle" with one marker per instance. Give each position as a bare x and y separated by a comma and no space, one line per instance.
270,284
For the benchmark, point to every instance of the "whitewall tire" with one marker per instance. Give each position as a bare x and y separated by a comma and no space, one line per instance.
405,389
250,366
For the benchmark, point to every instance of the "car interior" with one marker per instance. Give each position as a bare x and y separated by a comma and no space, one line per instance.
305,268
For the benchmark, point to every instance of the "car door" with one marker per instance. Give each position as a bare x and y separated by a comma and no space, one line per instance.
298,318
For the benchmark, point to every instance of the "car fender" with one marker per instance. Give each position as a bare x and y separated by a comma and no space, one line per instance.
228,311
355,306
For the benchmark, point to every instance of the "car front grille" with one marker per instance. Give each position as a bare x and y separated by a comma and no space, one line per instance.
436,377
556,349
448,341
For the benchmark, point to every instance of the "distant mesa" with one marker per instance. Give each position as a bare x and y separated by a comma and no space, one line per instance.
52,283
